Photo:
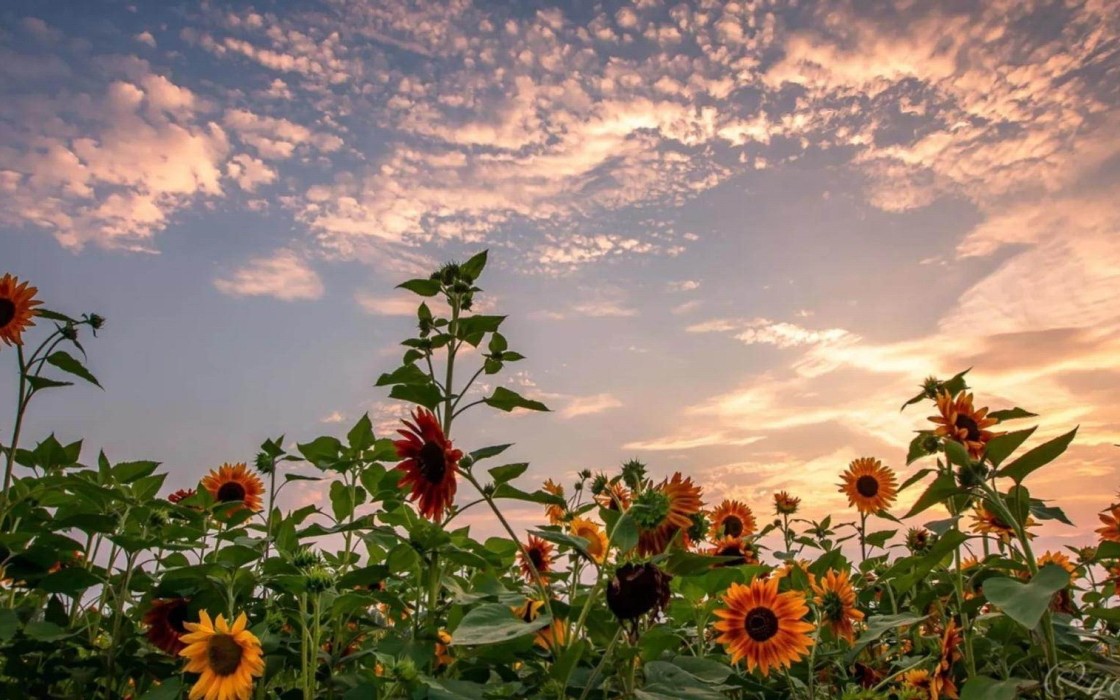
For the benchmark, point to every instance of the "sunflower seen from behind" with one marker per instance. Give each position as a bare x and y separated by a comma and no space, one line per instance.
869,486
17,307
765,628
234,483
663,511
430,464
836,600
226,657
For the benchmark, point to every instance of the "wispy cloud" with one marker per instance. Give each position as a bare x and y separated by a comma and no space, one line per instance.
283,275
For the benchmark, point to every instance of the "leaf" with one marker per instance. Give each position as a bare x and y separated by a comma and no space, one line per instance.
879,539
473,267
320,451
1026,602
984,688
65,362
344,499
46,631
38,383
426,395
940,490
877,625
919,568
9,624
915,478
1038,457
487,452
508,472
127,472
917,448
957,454
69,581
1000,448
406,374
1040,510
625,533
361,435
514,493
493,623
506,400
1011,414
423,287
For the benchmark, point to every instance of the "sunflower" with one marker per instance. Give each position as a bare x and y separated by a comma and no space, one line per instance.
869,485
733,547
763,626
837,602
535,558
614,497
232,483
919,540
1111,530
16,309
918,678
226,657
442,651
788,567
165,618
1058,559
732,519
960,422
554,511
1062,600
597,541
785,504
430,463
550,635
985,521
180,495
637,589
666,510
942,683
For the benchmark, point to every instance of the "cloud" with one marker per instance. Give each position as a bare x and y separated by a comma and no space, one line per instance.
683,286
589,405
146,38
283,275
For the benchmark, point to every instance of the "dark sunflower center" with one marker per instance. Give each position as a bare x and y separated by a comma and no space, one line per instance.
761,624
224,654
433,464
969,425
231,491
7,311
176,617
733,526
868,486
537,557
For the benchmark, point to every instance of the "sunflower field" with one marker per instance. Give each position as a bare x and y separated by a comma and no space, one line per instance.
114,586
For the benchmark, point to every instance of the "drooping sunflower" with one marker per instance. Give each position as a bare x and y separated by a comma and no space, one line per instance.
638,589
165,618
430,463
548,636
869,486
231,483
554,511
1111,530
732,519
785,504
729,546
17,307
985,521
961,422
597,541
226,657
763,626
536,559
837,602
666,510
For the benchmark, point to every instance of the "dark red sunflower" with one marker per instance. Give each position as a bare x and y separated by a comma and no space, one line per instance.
180,495
165,620
536,557
430,463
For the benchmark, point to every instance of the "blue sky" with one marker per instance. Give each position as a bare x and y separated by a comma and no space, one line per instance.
731,237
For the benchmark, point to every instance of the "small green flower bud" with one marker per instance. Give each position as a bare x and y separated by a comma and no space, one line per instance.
306,558
319,579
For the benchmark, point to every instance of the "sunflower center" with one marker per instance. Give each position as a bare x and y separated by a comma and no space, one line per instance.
760,624
868,486
733,526
176,617
537,557
832,606
966,423
231,491
7,311
433,464
224,654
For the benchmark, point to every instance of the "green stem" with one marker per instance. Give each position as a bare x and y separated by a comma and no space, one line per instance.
599,667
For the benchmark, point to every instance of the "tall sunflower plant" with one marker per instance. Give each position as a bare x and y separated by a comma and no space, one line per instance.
344,566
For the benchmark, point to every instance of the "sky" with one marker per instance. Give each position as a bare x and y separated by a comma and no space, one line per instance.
731,238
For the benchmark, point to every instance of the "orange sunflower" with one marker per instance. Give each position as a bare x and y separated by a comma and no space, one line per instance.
837,602
165,618
234,483
869,485
733,547
732,519
666,510
614,497
17,302
226,657
960,422
536,557
1111,530
550,635
180,495
430,463
985,521
942,683
763,626
554,511
918,678
597,541
785,504
442,651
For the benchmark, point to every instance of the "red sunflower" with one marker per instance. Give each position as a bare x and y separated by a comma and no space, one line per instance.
537,556
165,620
17,307
430,463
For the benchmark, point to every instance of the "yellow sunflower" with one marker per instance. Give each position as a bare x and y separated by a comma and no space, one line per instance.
837,602
732,519
233,483
547,637
960,422
17,302
763,626
918,678
1058,559
1111,530
225,657
985,521
785,504
554,511
596,539
869,486
666,510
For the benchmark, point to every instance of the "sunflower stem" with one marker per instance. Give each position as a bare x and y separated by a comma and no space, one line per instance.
599,667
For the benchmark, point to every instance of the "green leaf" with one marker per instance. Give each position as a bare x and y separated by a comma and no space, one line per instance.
406,374
879,539
506,400
877,625
1011,414
494,623
169,689
939,491
361,435
38,383
917,449
65,362
9,624
957,454
508,472
473,267
1038,457
344,499
127,472
487,452
625,533
1000,448
69,581
1040,510
498,344
514,493
474,327
1026,602
919,568
46,632
984,688
426,395
321,451
423,287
